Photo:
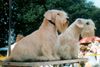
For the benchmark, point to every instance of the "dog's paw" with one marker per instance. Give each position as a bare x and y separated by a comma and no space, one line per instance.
52,58
66,58
57,57
75,57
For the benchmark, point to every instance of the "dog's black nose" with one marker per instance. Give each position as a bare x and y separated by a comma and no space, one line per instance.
87,23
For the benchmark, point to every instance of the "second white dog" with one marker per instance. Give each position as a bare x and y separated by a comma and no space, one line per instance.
68,42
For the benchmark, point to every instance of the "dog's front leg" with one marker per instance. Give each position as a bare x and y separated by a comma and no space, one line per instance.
48,53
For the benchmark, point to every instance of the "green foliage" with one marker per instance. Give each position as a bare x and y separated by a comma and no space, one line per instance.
27,15
31,12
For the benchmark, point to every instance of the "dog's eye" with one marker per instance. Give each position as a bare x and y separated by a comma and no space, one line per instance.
87,23
58,14
67,19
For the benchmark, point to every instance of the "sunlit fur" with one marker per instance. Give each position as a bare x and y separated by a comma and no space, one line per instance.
68,42
40,45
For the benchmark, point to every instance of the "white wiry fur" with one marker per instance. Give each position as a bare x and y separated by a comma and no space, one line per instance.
40,44
68,42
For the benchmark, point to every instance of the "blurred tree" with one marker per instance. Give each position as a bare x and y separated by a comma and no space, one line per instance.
27,15
4,22
31,12
96,17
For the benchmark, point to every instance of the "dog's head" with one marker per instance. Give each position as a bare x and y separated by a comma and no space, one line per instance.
59,18
87,25
89,30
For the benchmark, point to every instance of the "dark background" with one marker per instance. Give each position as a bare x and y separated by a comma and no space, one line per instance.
27,15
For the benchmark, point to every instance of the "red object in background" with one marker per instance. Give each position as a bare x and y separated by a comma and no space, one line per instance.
97,39
90,39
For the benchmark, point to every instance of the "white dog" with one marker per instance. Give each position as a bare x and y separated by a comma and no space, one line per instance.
39,45
68,42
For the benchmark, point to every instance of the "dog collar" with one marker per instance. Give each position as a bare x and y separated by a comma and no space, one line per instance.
51,22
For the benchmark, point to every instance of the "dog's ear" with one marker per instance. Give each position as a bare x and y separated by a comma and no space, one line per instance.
79,23
47,15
